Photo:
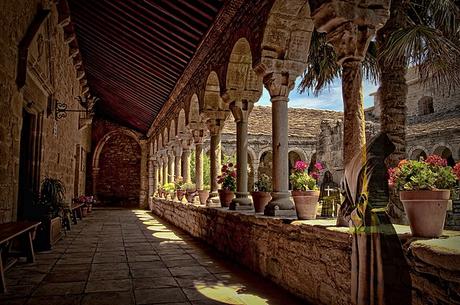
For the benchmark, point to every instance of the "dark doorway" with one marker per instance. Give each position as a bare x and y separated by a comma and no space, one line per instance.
29,161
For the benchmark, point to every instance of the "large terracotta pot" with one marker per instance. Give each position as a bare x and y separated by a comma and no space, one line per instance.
426,211
225,197
180,194
306,204
260,199
203,195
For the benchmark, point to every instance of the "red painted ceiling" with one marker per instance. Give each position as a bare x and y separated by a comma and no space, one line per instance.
134,51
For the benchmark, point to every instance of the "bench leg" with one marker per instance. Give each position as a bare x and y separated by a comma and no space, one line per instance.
2,276
30,248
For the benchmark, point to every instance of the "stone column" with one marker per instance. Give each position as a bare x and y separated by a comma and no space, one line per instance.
165,169
151,189
215,124
241,111
177,160
198,135
95,176
156,177
143,191
279,85
170,166
255,168
186,164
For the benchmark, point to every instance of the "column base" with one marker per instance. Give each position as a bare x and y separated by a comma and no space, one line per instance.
241,202
213,200
280,205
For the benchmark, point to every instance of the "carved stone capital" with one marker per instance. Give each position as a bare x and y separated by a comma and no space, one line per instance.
215,120
241,110
279,84
350,24
198,135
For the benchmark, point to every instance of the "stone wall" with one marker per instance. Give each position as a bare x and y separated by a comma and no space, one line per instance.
119,175
310,259
51,76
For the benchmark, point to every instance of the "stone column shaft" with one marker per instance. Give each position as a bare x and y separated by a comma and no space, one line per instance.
170,168
95,176
151,189
199,166
177,165
215,160
165,171
186,165
155,177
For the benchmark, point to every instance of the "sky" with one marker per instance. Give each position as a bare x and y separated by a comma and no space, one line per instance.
329,99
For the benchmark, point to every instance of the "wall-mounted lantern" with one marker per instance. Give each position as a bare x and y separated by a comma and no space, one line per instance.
61,110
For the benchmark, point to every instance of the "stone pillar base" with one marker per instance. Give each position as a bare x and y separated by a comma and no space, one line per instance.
280,205
213,200
241,202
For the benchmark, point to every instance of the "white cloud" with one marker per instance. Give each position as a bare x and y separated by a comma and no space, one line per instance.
329,99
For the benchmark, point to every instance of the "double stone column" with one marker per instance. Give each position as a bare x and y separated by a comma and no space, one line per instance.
241,111
198,135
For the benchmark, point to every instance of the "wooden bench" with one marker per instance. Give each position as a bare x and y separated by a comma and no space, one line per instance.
9,232
76,210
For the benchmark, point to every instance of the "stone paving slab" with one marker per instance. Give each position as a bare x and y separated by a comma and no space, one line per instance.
130,257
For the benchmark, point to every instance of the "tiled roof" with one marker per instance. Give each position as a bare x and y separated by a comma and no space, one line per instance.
302,122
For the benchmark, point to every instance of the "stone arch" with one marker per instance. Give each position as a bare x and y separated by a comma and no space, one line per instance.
416,152
287,36
165,137
194,112
106,138
252,154
300,152
265,162
444,151
172,130
242,82
181,122
212,98
262,151
118,187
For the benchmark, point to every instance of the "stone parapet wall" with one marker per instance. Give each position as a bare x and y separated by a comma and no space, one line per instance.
310,258
310,261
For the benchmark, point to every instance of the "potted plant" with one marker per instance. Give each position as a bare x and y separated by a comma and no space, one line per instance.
179,187
424,190
261,195
305,190
160,192
169,189
48,209
204,193
228,181
190,191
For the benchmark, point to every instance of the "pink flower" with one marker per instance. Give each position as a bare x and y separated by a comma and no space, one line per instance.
392,175
301,166
318,166
457,170
314,175
436,160
233,174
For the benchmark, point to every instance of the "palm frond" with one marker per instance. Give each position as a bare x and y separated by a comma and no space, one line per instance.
435,56
322,67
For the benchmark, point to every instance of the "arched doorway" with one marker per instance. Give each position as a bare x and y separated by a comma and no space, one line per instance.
418,154
118,160
265,165
445,153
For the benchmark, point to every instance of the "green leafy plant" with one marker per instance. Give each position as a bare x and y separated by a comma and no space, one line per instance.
300,179
169,187
52,197
430,174
179,184
228,177
206,187
190,186
263,184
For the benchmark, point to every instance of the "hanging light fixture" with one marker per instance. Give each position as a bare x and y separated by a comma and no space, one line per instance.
61,108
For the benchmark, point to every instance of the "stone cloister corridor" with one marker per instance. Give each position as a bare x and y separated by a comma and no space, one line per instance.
127,257
227,152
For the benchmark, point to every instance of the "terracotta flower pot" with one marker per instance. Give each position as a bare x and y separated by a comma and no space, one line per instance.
306,203
203,195
426,211
190,195
84,211
260,199
180,194
90,207
225,197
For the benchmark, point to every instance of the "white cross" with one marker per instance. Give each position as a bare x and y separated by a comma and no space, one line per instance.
328,189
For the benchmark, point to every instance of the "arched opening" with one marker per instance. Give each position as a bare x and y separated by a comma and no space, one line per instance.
293,158
250,172
425,105
265,165
418,154
194,112
118,181
445,153
212,99
181,122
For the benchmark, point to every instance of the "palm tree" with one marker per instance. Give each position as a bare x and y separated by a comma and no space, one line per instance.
419,33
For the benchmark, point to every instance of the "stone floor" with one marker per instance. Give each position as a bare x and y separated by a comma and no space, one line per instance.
124,257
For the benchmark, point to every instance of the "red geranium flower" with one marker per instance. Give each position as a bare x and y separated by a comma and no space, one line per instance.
457,170
436,160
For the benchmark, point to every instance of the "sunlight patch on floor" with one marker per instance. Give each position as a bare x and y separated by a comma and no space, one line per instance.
229,294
